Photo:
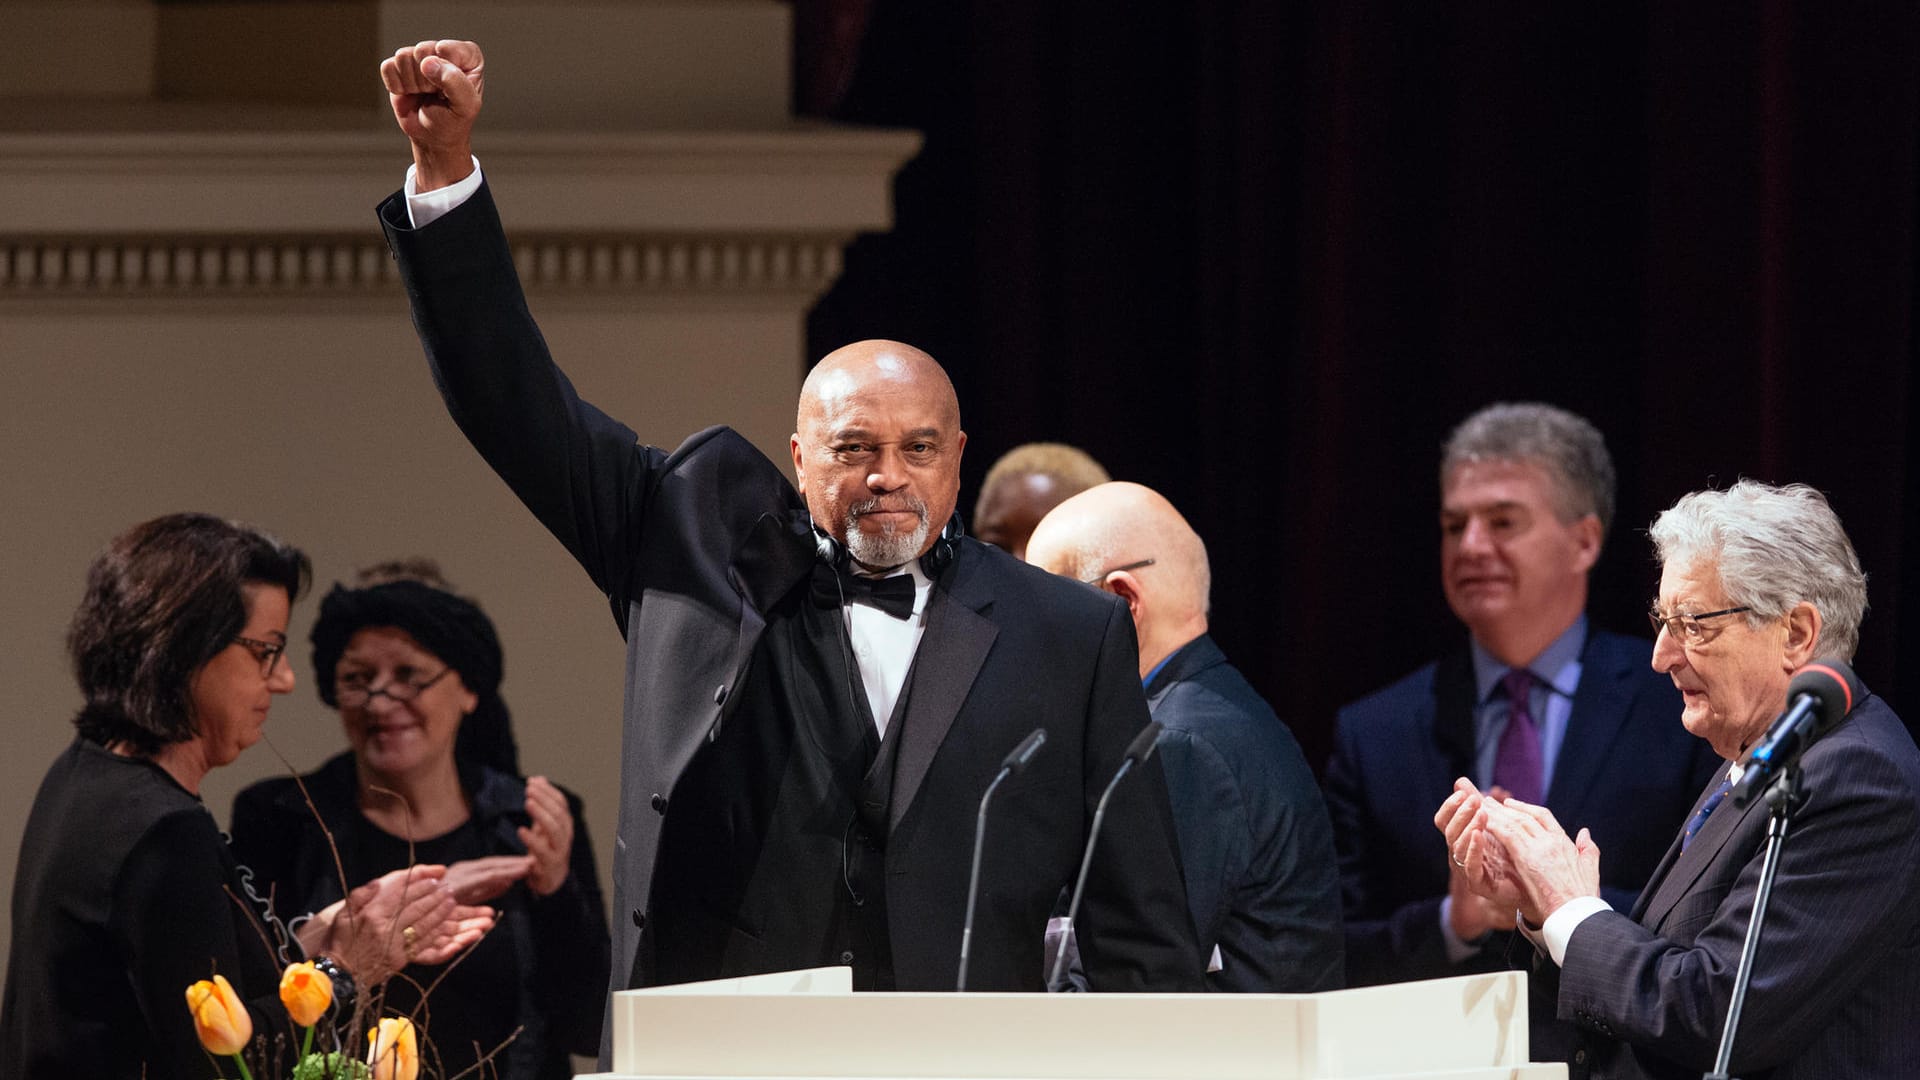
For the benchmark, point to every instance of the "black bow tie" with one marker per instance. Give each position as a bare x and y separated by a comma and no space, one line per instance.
893,595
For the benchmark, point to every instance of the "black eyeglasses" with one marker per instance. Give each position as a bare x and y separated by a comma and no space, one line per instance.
1686,628
267,652
1104,574
355,688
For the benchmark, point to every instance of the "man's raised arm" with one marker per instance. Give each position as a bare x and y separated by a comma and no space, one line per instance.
578,470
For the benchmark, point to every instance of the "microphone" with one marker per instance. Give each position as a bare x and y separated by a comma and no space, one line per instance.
1820,694
1017,760
1138,751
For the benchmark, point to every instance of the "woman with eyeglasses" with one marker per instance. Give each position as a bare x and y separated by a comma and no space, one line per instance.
126,894
432,775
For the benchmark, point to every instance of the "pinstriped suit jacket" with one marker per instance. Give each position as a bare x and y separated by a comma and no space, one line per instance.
1836,985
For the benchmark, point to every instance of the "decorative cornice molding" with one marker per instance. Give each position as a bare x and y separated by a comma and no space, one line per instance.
801,179
206,213
226,266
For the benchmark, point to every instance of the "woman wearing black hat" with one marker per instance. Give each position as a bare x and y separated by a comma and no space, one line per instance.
433,777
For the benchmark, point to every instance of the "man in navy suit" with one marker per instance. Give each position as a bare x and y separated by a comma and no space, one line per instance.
1756,581
1252,829
1537,701
822,678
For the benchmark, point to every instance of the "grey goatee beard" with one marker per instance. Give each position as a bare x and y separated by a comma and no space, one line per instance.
890,547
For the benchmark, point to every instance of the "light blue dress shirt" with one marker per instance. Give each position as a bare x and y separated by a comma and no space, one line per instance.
1556,676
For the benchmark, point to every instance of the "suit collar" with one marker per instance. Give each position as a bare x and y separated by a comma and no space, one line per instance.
1601,704
1184,663
1558,665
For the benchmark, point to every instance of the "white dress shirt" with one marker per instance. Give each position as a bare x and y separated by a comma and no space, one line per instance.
884,646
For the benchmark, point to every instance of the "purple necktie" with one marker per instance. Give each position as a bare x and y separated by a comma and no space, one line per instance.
1516,764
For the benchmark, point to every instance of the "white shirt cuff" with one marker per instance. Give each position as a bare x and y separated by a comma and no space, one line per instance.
1559,927
1459,950
426,207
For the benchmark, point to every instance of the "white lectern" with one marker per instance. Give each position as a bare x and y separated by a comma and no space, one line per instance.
812,1024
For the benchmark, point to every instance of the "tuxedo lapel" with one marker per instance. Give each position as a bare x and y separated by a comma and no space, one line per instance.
775,555
950,656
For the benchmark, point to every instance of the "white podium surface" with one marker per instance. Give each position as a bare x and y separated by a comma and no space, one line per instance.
811,1024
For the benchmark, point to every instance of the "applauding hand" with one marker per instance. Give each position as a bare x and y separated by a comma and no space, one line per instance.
549,839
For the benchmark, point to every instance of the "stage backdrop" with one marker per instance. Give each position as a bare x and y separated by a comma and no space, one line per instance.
1263,256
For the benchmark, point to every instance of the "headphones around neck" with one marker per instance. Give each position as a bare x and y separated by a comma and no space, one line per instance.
933,563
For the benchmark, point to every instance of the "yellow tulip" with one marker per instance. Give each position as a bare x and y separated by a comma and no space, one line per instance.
391,1050
218,1015
306,991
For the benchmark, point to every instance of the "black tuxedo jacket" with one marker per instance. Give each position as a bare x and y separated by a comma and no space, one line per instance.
1627,769
695,547
1833,992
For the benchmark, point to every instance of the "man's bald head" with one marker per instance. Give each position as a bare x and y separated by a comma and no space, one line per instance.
876,450
1118,523
875,365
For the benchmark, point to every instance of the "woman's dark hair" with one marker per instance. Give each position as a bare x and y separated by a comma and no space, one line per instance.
163,599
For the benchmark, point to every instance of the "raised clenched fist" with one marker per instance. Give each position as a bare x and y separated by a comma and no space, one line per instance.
436,89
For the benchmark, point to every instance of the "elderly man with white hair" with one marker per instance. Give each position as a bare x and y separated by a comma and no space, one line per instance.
1756,581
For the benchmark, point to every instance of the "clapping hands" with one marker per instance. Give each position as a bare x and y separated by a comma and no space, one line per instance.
403,917
549,841
1515,854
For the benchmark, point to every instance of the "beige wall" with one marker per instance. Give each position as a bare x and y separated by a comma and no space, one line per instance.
196,313
322,424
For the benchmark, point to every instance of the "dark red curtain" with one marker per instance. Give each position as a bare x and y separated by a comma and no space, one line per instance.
1262,257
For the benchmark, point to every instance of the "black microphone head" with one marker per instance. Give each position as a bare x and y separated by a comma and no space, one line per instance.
1141,748
1832,685
1023,753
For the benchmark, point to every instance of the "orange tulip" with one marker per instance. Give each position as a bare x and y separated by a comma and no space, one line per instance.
391,1050
306,991
218,1015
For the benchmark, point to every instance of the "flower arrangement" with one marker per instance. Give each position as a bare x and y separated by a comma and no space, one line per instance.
310,994
225,1029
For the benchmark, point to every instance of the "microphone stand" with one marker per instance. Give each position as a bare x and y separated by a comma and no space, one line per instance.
1784,797
973,878
1138,751
1080,883
1016,760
